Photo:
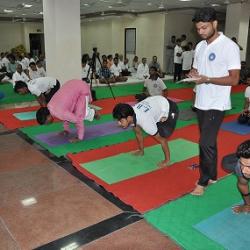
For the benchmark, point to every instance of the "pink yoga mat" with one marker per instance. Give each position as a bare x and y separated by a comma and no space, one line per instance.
54,139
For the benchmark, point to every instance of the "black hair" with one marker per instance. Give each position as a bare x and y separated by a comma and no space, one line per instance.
206,14
42,114
19,85
178,40
153,67
243,150
32,63
122,110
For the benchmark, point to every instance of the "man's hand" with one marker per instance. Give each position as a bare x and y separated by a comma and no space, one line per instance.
64,133
138,152
241,209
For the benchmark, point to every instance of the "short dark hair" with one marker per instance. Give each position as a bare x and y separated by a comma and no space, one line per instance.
32,63
243,150
206,14
42,114
153,67
122,110
19,85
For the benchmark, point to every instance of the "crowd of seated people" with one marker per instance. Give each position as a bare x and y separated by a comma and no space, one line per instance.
112,69
21,67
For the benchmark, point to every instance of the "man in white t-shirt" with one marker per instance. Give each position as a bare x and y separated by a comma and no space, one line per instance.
116,70
244,117
177,60
43,88
142,70
216,68
152,86
156,115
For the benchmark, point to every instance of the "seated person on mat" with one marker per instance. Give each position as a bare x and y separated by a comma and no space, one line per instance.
19,75
43,88
239,164
156,115
105,75
116,70
69,104
244,117
152,86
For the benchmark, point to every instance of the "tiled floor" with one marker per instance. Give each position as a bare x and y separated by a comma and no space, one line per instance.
40,202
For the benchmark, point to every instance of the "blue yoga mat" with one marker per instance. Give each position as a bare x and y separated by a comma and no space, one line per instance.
25,116
228,229
235,127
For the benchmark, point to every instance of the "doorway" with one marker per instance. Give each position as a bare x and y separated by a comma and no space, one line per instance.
130,44
36,44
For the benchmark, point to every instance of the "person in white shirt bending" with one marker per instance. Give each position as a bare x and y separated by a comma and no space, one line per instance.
155,115
43,88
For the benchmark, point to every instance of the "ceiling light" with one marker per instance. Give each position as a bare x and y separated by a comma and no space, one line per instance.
24,14
7,11
86,4
161,6
149,4
26,5
41,13
110,7
185,0
29,201
215,4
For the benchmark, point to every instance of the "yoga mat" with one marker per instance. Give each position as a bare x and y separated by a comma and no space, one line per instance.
235,127
8,119
62,150
187,114
91,132
12,97
125,166
176,219
227,229
25,116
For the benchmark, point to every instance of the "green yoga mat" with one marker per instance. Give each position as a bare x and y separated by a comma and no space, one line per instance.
25,116
125,166
176,219
132,89
12,97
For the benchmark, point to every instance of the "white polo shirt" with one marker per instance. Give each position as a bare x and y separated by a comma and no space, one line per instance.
19,77
115,69
187,60
154,87
215,60
149,111
247,95
85,71
41,85
142,71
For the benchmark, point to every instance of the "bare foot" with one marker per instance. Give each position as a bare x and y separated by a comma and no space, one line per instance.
163,164
198,191
138,153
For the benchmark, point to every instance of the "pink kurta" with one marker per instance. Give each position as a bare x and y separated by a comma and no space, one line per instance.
69,104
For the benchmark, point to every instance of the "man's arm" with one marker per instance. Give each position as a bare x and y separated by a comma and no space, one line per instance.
42,101
139,138
243,188
231,80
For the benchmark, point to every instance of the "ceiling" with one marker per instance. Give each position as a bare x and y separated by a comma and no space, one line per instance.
101,8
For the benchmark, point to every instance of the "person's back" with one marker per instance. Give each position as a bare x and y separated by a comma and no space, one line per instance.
66,97
187,59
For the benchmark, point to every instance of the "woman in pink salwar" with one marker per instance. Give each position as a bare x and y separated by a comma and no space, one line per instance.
69,104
